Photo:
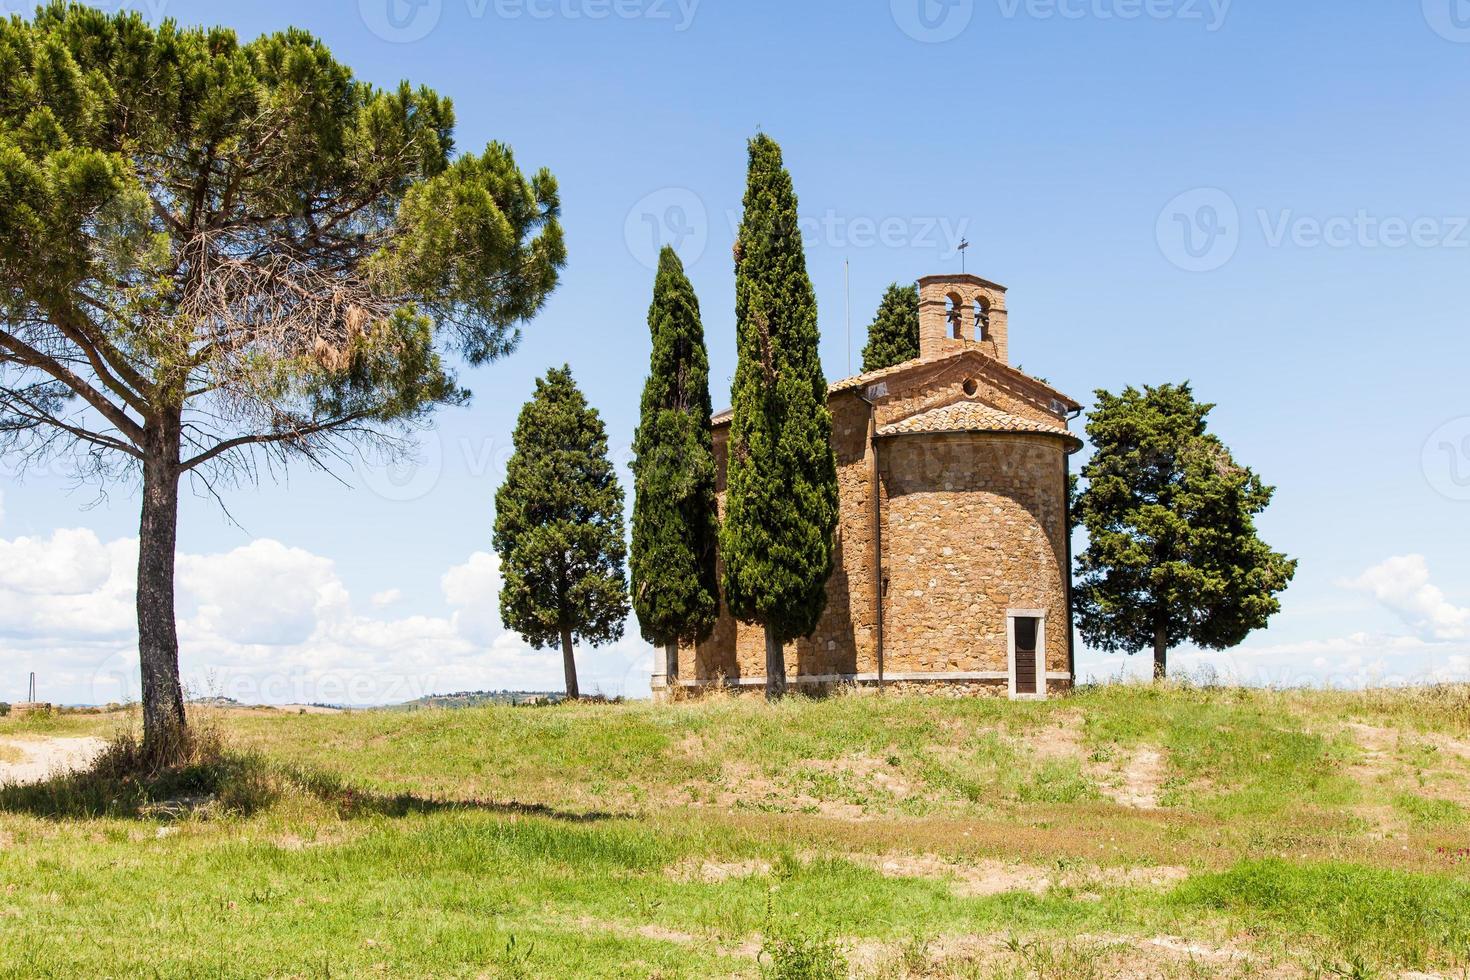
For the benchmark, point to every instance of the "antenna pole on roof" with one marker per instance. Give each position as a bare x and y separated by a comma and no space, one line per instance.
847,308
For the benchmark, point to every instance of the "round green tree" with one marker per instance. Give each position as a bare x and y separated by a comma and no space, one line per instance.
559,527
217,257
781,495
675,588
893,336
1172,554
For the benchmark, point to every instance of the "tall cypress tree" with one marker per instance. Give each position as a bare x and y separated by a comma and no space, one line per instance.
675,588
781,495
559,526
1172,552
893,336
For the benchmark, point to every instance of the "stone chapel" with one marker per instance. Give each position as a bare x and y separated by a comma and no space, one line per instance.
951,567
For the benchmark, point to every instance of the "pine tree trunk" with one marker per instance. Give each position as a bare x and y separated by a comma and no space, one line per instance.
775,666
1161,652
569,664
671,662
158,638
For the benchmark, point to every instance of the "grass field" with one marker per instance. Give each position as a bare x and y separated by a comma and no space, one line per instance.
1123,831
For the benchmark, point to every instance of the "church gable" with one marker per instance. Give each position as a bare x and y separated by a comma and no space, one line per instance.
965,376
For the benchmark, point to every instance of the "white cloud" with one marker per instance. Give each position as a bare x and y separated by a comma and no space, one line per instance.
473,589
70,562
262,593
268,623
1402,585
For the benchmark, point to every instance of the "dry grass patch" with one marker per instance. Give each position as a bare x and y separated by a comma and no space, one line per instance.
1077,958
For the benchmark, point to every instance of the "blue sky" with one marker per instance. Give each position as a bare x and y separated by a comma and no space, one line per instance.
1271,200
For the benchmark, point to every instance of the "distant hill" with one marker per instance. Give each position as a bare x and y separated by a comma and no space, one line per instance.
479,699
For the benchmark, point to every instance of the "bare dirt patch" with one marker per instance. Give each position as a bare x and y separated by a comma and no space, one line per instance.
864,770
1061,740
1133,779
1135,782
1142,779
979,879
46,757
745,787
1395,761
714,872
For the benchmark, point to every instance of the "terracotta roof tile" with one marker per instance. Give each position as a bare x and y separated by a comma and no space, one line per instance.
972,417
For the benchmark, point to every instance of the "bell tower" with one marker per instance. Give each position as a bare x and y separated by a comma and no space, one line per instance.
960,311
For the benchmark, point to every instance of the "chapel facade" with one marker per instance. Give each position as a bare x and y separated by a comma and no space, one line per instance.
952,552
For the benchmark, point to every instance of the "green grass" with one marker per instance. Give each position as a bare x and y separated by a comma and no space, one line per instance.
732,838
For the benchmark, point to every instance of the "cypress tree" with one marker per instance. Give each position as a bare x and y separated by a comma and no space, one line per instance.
559,526
1172,552
893,336
675,588
781,496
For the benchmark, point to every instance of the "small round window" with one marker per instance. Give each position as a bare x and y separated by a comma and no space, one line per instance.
971,387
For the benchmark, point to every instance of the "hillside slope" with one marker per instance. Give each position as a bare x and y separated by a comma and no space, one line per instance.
1122,831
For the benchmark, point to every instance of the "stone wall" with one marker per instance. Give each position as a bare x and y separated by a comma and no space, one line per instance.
975,525
845,641
972,524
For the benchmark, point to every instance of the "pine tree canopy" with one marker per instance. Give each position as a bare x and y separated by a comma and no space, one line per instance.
675,589
781,501
1173,553
559,523
893,336
244,233
212,250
